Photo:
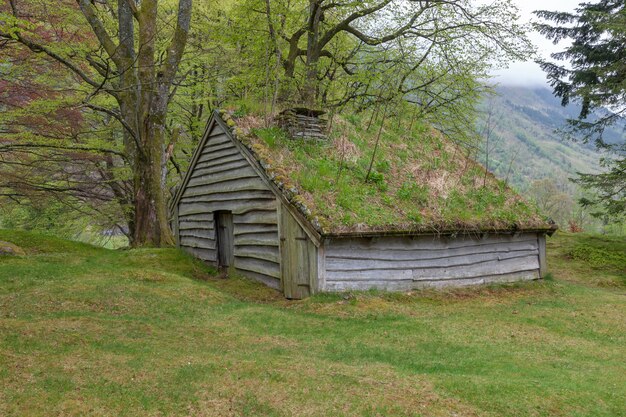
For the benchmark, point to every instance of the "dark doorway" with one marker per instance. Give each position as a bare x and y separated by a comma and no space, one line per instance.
224,236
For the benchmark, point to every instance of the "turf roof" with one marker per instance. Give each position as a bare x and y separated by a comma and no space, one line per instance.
421,182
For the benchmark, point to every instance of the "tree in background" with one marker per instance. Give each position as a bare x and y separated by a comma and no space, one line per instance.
552,201
54,152
592,71
106,99
329,53
128,55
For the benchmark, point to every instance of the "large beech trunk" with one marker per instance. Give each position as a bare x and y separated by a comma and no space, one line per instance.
146,88
151,226
151,213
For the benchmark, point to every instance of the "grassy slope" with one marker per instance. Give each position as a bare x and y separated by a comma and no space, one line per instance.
89,331
419,180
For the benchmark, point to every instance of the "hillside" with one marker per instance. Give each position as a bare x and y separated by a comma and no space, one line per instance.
90,331
524,146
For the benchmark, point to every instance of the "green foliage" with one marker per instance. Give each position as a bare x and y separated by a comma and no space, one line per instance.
592,71
411,191
272,136
599,257
376,177
383,166
596,260
237,56
541,164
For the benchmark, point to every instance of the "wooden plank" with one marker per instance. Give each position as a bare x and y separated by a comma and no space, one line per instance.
199,227
424,254
335,264
198,233
281,246
384,285
227,198
239,207
215,147
214,168
207,255
197,242
543,265
422,242
313,266
495,267
269,253
366,275
196,224
218,138
251,229
321,268
531,274
492,267
245,172
266,239
232,195
264,279
226,186
201,217
176,225
408,284
263,267
211,156
220,162
286,249
256,217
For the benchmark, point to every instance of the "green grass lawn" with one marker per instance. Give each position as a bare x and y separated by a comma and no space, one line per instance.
90,331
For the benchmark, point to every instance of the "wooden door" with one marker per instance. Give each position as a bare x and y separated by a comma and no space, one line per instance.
298,258
224,235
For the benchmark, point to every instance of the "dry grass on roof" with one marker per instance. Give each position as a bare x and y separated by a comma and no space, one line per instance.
420,181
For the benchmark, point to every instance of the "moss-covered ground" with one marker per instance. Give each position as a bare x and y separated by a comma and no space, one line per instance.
86,331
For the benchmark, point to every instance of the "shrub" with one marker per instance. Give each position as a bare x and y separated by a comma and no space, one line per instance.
598,257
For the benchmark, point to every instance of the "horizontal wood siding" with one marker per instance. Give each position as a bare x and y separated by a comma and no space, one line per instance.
404,263
223,179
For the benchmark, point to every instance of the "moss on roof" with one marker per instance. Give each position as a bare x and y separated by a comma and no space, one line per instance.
421,182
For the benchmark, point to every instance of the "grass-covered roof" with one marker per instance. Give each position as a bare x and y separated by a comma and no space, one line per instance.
420,182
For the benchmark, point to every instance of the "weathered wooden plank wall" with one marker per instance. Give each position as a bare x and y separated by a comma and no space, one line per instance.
404,263
224,180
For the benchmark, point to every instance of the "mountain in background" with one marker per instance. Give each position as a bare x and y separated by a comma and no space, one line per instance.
524,145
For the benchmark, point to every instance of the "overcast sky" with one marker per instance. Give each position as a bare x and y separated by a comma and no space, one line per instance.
529,73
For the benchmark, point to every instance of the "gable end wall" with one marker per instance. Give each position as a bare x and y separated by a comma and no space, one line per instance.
222,179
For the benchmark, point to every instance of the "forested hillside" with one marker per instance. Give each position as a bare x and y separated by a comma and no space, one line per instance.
523,146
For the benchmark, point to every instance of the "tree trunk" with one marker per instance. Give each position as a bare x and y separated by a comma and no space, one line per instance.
309,93
151,226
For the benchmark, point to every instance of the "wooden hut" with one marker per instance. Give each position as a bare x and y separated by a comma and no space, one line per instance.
234,211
